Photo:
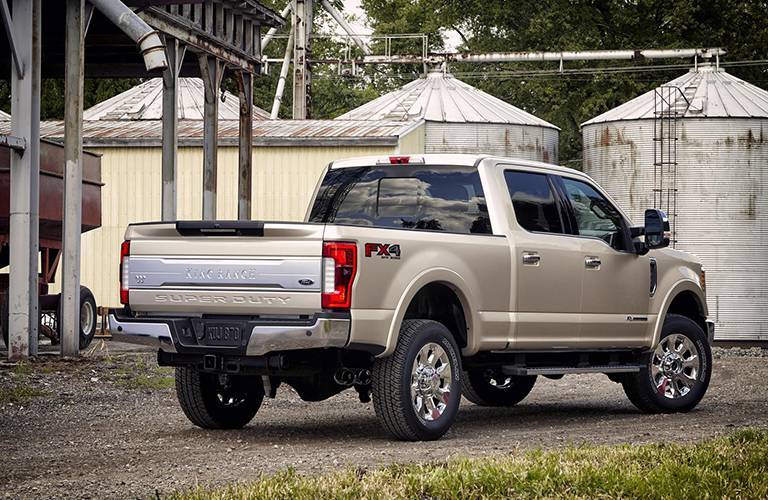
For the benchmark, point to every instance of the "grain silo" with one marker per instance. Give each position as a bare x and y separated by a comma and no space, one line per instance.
459,118
697,147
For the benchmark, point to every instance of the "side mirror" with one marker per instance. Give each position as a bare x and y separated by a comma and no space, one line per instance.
656,229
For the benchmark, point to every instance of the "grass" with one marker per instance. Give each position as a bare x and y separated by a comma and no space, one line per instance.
139,374
735,466
18,394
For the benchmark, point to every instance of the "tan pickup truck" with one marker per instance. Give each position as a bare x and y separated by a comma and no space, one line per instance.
415,280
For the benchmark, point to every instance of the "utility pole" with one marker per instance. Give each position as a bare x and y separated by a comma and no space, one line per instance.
302,17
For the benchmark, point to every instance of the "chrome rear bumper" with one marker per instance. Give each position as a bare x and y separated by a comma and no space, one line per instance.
324,332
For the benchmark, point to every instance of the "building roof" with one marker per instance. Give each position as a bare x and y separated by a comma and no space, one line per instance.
145,102
440,97
147,133
708,91
4,116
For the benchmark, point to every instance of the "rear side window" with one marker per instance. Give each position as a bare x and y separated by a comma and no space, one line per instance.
533,201
405,197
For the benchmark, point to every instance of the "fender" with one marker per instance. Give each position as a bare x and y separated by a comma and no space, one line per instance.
684,285
433,275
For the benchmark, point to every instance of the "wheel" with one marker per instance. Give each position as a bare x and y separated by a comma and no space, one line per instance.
488,387
218,401
676,374
87,317
416,390
4,319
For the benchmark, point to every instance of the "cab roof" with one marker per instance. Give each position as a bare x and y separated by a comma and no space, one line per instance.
452,159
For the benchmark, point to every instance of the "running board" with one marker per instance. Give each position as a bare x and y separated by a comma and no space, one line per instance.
559,370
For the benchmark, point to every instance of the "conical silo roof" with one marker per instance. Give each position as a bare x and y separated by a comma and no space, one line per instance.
145,102
440,97
709,92
4,116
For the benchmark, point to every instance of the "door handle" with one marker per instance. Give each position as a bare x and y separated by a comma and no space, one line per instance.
592,262
531,258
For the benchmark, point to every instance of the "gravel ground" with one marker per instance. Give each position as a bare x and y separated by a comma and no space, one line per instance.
95,430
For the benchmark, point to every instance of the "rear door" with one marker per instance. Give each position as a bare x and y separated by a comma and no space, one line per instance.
616,281
547,263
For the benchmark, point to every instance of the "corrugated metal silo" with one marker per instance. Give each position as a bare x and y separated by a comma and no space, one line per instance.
460,118
712,178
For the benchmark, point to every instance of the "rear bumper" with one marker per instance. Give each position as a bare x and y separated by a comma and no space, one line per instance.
181,335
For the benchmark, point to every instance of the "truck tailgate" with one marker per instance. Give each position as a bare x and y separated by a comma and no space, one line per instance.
225,267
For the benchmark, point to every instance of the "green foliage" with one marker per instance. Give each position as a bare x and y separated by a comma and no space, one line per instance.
485,25
734,466
19,393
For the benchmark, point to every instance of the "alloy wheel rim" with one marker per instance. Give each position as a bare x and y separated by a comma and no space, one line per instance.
675,366
86,318
431,377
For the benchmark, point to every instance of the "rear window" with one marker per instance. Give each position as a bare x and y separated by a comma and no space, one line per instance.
405,197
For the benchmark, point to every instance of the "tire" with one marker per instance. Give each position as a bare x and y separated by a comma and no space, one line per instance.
4,319
87,308
426,411
209,404
485,387
672,380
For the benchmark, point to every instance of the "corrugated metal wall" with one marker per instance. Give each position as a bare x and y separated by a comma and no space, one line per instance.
284,179
722,204
512,141
413,140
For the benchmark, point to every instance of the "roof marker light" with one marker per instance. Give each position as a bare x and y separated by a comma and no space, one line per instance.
399,160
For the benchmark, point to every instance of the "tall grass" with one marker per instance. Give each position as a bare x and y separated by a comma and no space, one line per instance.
735,466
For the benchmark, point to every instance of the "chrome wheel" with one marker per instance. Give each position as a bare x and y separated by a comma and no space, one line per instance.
87,317
431,382
675,366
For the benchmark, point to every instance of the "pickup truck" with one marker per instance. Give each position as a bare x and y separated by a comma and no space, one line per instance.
415,280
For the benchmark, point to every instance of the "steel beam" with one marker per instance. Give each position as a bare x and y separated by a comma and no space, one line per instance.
25,171
245,145
73,177
175,56
211,70
302,17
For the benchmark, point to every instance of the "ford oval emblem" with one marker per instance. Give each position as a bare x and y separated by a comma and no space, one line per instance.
306,282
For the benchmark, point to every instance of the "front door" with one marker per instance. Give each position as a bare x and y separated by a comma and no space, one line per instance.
546,306
615,293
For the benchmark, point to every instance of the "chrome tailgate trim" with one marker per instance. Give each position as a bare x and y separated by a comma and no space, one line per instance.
264,273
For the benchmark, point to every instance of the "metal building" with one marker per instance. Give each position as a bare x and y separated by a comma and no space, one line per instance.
459,118
288,157
697,147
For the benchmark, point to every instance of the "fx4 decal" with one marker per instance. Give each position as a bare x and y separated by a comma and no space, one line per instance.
383,250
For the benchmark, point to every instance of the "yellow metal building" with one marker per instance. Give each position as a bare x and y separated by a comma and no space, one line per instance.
288,158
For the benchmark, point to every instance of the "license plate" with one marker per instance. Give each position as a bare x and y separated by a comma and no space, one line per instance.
223,335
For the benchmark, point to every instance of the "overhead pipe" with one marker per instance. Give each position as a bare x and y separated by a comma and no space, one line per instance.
336,15
283,76
582,55
271,33
148,40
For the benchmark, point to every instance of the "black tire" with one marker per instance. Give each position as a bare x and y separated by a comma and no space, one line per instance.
4,319
642,389
87,328
392,377
478,387
87,301
210,404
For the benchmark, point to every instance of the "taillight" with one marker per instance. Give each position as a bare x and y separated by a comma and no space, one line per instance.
339,269
125,252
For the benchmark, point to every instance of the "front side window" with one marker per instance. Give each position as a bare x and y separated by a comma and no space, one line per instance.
533,201
406,197
595,216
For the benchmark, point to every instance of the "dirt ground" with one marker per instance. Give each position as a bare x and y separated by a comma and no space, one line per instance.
109,426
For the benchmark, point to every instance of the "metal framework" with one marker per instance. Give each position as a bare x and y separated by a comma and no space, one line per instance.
223,35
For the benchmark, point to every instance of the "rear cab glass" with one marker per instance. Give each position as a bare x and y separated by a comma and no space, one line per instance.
421,197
